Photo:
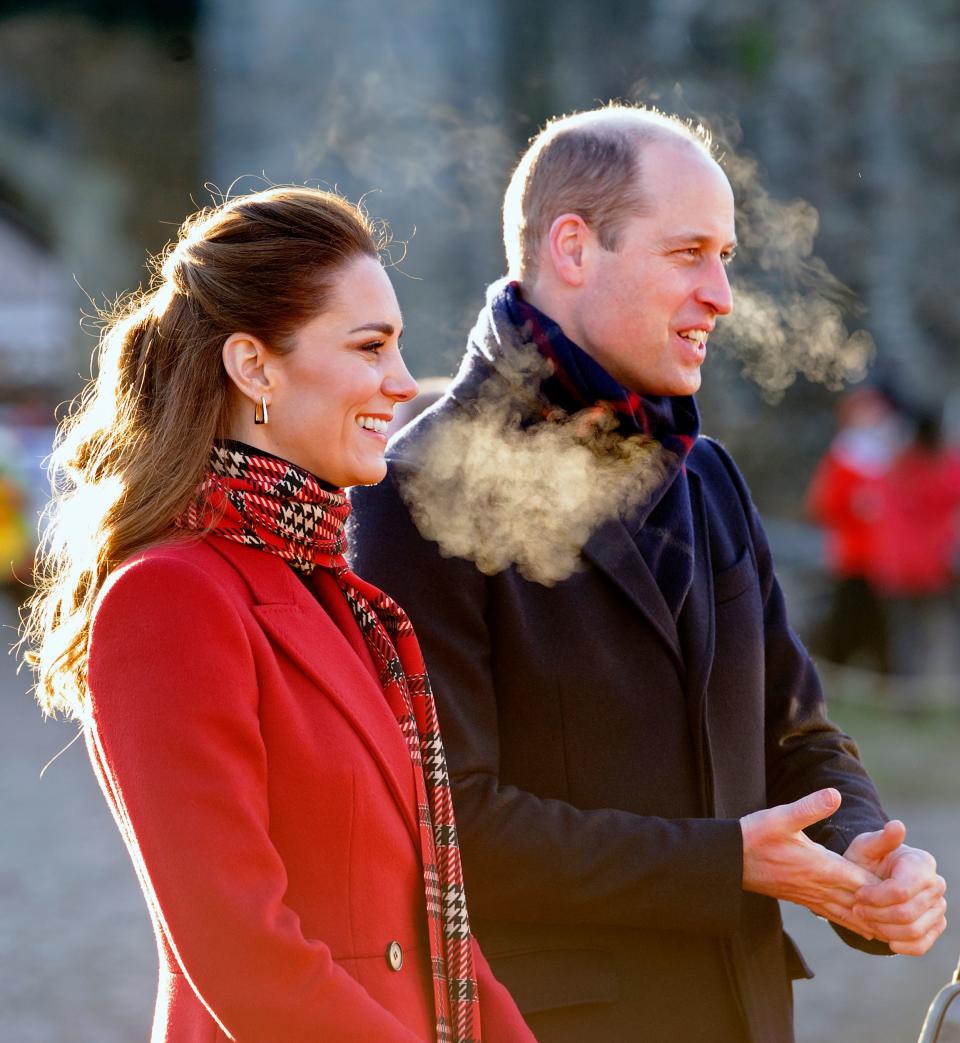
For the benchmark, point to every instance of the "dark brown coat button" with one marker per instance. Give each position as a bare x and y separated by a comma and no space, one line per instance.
394,956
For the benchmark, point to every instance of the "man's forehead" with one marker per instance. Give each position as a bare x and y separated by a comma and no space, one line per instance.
671,158
686,193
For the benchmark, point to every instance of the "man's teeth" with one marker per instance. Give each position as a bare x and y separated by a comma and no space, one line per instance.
373,423
696,336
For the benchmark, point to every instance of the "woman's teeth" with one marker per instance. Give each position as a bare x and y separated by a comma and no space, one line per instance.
373,423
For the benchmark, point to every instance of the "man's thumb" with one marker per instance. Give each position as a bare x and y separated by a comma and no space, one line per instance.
814,807
877,845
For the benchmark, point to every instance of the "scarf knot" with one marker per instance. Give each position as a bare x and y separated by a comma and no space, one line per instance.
262,501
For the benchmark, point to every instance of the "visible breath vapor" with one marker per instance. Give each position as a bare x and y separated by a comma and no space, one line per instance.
387,133
495,492
789,311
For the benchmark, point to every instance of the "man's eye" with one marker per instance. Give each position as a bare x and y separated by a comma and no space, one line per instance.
728,257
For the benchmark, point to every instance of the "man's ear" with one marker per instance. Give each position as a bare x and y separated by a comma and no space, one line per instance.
570,244
248,365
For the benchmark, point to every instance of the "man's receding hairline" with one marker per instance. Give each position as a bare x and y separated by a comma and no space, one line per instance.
646,128
645,125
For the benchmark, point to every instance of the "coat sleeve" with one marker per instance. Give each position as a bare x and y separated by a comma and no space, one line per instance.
805,751
526,858
500,1020
173,731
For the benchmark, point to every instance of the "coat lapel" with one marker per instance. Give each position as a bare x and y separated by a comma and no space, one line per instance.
697,626
297,625
612,549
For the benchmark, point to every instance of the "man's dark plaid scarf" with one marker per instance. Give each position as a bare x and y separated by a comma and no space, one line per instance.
663,526
262,501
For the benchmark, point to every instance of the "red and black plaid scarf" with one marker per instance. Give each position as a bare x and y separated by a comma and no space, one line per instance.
262,501
662,527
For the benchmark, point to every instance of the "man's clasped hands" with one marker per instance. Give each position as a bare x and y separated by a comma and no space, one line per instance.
881,888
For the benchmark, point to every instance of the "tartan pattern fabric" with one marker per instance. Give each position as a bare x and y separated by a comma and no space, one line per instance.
265,502
663,527
262,501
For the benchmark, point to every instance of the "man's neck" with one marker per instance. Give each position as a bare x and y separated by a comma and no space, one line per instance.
556,306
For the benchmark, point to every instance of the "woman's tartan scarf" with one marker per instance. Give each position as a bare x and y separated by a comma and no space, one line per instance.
262,501
663,527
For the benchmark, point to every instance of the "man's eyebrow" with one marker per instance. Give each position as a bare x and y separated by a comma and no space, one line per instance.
698,239
377,327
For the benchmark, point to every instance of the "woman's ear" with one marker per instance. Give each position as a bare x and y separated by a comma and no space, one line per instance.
246,360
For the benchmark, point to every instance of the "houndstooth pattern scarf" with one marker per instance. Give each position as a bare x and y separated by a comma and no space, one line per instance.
262,501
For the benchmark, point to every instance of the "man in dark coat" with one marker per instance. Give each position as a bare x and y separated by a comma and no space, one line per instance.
641,759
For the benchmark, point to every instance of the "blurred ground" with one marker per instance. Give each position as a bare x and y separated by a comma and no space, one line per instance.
77,951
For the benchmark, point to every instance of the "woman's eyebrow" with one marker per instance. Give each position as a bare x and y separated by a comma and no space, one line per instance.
378,327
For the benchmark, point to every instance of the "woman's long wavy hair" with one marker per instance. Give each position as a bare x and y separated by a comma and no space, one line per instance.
130,454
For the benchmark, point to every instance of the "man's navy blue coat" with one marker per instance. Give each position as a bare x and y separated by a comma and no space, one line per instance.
602,754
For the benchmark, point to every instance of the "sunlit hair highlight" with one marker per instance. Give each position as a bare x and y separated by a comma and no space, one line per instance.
129,456
590,164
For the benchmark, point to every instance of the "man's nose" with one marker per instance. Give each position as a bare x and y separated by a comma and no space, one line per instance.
398,384
716,291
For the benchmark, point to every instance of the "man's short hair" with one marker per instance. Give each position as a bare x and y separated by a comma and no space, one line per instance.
588,163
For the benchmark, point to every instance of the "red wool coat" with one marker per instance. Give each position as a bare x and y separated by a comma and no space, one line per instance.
266,796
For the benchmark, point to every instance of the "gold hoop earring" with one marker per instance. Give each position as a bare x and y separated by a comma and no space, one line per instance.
260,414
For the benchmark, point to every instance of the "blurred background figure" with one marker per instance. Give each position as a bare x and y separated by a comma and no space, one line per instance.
26,435
915,539
15,544
845,499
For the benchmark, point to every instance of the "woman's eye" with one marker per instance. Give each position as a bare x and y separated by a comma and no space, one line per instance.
372,346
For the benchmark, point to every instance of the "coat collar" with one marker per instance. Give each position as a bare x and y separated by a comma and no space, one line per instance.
297,625
613,550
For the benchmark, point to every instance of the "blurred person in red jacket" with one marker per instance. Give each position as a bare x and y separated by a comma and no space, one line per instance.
915,540
844,497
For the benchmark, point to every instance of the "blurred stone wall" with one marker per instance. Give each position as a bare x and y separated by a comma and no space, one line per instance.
396,103
98,146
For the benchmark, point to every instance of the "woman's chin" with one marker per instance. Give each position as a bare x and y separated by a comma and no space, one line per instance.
370,475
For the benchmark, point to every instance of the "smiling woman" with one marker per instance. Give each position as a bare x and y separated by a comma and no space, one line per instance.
259,717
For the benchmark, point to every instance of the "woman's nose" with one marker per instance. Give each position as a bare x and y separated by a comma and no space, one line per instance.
398,384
